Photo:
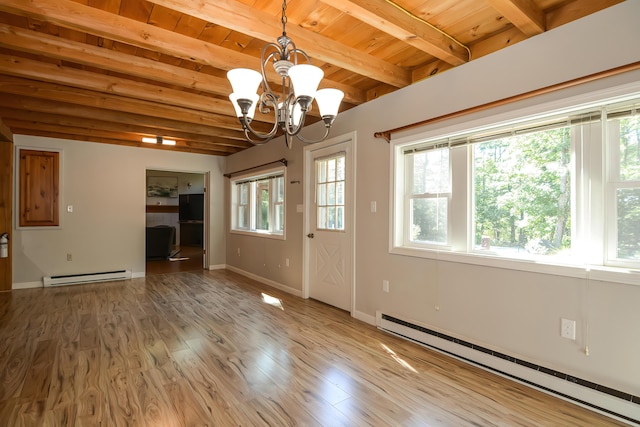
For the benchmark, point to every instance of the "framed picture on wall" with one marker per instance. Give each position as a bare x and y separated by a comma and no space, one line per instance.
162,186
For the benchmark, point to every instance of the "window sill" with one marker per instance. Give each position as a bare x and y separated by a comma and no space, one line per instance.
622,275
264,234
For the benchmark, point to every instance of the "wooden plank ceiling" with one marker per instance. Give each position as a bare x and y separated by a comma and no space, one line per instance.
113,71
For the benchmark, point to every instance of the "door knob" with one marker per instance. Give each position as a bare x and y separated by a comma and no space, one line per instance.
310,235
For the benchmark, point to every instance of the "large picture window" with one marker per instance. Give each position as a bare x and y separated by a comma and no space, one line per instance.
258,203
522,192
560,189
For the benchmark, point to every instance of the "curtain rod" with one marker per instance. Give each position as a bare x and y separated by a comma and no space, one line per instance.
542,91
283,161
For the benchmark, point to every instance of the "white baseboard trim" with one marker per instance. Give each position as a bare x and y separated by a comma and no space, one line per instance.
366,318
266,281
558,388
591,399
138,275
217,267
27,285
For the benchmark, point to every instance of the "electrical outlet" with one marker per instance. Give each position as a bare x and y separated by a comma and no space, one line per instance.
69,257
568,329
385,286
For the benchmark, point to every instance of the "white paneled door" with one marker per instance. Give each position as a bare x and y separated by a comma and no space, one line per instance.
329,224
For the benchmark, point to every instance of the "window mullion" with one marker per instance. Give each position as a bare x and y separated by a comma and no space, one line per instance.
408,204
252,206
272,205
595,225
459,219
612,173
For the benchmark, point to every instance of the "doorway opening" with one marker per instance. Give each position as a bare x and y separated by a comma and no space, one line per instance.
176,212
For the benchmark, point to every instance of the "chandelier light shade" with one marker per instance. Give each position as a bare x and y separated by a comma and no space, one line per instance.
244,81
294,101
328,102
305,79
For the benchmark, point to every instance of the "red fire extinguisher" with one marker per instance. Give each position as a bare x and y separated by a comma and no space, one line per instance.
4,245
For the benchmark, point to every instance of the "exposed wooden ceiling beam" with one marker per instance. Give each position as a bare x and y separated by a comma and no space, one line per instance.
102,140
49,46
236,138
496,42
576,10
32,69
524,14
247,20
5,132
28,118
83,97
75,16
130,139
560,16
400,25
112,60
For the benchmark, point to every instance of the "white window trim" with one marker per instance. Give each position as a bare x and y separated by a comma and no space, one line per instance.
460,250
234,205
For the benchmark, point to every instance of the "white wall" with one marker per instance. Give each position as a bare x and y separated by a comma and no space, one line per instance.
515,312
106,185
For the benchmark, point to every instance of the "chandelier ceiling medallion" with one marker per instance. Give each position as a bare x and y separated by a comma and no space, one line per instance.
290,106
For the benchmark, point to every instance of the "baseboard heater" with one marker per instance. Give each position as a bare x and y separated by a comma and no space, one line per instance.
433,339
77,279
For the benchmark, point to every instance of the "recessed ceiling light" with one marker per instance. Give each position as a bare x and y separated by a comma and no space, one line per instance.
159,140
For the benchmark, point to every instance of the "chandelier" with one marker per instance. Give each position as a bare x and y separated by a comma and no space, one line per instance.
293,103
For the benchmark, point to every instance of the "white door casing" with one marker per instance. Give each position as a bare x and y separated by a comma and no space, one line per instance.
328,243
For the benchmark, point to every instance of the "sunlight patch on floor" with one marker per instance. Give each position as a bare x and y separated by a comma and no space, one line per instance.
400,361
276,302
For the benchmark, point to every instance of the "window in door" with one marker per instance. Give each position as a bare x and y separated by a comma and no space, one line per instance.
330,196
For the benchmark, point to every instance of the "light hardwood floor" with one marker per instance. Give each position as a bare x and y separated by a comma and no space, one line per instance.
207,348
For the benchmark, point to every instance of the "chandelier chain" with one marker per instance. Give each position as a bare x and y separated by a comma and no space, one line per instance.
284,18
